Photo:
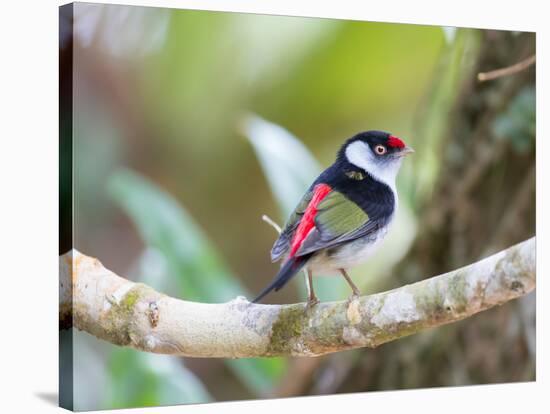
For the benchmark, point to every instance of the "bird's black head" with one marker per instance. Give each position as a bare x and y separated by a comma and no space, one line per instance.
377,152
381,144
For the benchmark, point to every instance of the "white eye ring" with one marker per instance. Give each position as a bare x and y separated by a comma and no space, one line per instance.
380,149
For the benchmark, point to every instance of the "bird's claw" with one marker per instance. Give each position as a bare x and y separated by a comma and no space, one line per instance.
353,297
311,302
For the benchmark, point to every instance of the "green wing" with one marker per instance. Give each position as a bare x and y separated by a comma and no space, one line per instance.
338,219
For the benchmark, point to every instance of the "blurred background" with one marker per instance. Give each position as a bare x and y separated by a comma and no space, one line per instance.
188,126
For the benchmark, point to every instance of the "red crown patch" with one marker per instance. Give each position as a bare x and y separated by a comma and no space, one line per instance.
395,142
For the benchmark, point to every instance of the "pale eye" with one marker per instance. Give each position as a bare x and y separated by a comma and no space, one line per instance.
380,149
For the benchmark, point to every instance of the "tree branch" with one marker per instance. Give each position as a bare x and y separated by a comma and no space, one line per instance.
510,70
132,314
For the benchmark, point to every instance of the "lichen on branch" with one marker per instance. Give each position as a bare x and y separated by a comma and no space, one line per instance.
132,314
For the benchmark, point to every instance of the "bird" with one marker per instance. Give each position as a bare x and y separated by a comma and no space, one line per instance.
344,215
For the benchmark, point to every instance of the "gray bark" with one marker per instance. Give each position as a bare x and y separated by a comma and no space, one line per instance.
135,315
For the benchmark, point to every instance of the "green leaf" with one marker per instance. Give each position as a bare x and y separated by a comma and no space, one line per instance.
190,258
164,225
139,379
287,163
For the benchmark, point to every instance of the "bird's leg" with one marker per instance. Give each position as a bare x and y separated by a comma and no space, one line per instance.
311,298
356,291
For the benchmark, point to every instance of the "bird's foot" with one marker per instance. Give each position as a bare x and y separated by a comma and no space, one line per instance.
311,302
353,297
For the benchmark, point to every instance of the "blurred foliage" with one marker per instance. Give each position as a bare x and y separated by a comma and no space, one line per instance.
138,379
517,123
288,165
166,94
203,277
433,115
164,225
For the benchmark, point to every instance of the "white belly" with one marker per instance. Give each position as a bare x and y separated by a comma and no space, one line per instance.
348,255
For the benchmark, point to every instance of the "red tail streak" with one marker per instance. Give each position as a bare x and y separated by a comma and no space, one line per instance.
308,220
